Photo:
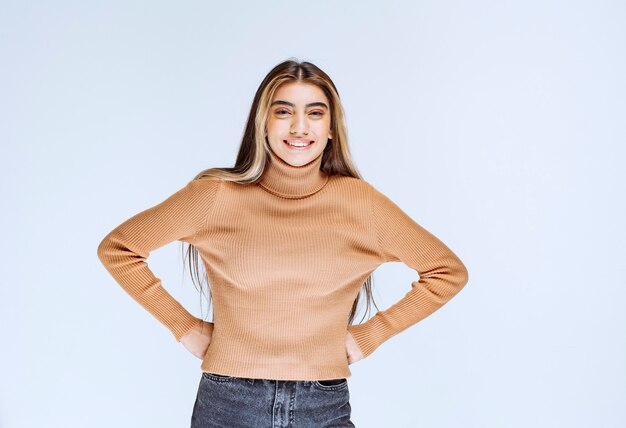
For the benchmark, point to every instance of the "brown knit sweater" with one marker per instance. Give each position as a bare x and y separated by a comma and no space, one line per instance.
285,259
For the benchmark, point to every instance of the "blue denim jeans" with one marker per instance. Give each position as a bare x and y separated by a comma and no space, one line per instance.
236,402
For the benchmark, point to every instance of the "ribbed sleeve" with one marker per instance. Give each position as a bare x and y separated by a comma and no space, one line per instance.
124,250
441,273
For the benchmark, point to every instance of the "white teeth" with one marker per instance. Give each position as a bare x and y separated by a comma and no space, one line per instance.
298,143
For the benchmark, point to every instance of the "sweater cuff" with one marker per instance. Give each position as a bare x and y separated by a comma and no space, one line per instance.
367,336
186,323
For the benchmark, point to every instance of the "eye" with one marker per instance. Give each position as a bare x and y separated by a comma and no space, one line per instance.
319,113
282,111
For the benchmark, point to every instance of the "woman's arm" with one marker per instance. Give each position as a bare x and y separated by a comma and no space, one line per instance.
442,274
124,250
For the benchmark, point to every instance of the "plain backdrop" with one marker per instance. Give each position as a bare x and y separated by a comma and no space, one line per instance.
498,126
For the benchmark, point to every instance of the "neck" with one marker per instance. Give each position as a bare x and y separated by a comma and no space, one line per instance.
288,181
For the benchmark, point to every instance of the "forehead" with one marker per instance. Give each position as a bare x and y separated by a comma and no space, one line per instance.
299,93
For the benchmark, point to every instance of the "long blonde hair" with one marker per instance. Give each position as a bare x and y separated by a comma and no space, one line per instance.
253,155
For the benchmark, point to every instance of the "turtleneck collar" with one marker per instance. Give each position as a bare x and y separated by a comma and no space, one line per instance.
288,181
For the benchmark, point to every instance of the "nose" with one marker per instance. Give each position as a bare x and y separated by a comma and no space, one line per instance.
299,125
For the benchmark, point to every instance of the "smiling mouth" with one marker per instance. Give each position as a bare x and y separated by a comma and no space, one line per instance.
298,143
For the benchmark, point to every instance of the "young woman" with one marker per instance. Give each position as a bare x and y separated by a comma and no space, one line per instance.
288,239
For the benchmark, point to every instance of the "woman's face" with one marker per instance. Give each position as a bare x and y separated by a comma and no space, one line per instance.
300,114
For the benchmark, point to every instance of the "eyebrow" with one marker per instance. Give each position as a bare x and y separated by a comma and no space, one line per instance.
287,103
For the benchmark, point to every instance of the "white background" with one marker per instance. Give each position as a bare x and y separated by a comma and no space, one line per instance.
498,126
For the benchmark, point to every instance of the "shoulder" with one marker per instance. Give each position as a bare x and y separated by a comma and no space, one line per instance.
348,183
204,183
378,200
358,186
348,188
203,189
